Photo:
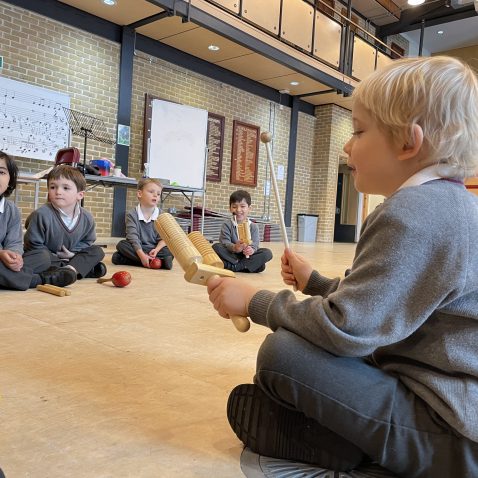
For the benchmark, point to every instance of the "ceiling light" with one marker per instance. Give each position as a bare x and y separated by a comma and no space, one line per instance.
294,83
213,48
440,32
415,2
109,2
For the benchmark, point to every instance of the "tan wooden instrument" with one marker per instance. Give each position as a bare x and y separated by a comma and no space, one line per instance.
54,290
244,233
198,266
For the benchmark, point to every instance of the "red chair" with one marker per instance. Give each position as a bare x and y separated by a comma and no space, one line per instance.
69,156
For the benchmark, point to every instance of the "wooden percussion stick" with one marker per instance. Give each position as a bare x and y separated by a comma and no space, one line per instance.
191,260
49,289
266,138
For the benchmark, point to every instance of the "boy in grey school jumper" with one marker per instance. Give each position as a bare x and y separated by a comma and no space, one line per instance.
20,271
143,242
235,254
381,365
64,228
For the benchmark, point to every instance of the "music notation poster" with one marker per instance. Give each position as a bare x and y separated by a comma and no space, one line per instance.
215,143
245,150
32,122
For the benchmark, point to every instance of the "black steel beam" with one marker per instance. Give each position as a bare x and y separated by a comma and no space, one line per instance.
255,44
125,89
72,16
150,19
412,17
289,188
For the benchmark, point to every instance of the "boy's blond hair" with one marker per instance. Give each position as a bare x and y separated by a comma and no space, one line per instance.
144,181
440,94
67,172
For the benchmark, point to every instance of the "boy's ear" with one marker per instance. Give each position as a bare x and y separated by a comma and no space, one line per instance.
412,148
81,195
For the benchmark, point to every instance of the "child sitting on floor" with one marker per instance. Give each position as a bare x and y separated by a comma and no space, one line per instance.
381,365
64,228
20,271
237,255
143,243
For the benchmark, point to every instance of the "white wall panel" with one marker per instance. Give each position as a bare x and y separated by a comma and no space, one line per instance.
297,21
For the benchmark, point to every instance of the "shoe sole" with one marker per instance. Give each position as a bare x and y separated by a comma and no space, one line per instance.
270,429
259,466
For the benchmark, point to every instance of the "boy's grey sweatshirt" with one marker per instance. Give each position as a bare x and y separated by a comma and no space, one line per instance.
410,301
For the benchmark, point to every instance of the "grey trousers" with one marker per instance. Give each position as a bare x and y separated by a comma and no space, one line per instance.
371,409
83,261
35,261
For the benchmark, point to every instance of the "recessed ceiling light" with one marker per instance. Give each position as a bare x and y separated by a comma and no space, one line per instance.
440,32
294,83
109,2
213,48
415,2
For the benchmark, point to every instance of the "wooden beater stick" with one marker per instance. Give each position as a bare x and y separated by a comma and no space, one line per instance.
53,289
266,138
191,260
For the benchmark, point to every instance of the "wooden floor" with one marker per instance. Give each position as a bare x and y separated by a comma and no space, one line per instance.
129,382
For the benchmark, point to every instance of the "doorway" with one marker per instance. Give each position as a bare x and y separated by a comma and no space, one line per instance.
347,207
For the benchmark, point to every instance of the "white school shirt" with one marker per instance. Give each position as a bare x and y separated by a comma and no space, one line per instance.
2,205
141,217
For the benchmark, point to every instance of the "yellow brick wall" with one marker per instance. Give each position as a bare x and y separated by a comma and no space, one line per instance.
47,53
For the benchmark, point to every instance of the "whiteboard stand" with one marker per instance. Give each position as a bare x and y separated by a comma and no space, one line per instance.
87,126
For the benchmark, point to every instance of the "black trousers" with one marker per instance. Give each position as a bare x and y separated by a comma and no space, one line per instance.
239,262
34,262
83,261
371,409
125,248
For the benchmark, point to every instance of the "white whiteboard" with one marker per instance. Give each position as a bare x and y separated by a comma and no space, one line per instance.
32,121
177,149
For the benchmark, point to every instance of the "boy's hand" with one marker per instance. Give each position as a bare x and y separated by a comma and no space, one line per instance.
248,251
11,259
65,253
230,296
295,270
238,247
144,258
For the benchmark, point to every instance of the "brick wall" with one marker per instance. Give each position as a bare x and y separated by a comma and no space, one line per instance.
333,131
86,68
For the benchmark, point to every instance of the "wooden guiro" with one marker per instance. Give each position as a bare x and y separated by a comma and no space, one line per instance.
195,256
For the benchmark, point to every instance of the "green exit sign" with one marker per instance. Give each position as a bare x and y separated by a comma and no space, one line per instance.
1,62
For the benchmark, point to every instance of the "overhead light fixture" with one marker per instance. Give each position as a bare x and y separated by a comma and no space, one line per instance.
213,48
440,32
109,2
415,2
294,83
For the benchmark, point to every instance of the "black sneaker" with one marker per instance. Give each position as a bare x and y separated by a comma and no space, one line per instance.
60,276
98,271
119,260
270,429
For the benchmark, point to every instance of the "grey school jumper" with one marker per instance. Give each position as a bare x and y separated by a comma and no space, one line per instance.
410,304
11,228
46,230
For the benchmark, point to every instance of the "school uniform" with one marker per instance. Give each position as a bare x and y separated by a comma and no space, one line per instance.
237,261
11,239
141,234
50,229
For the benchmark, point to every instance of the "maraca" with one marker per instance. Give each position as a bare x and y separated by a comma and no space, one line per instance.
155,263
119,279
